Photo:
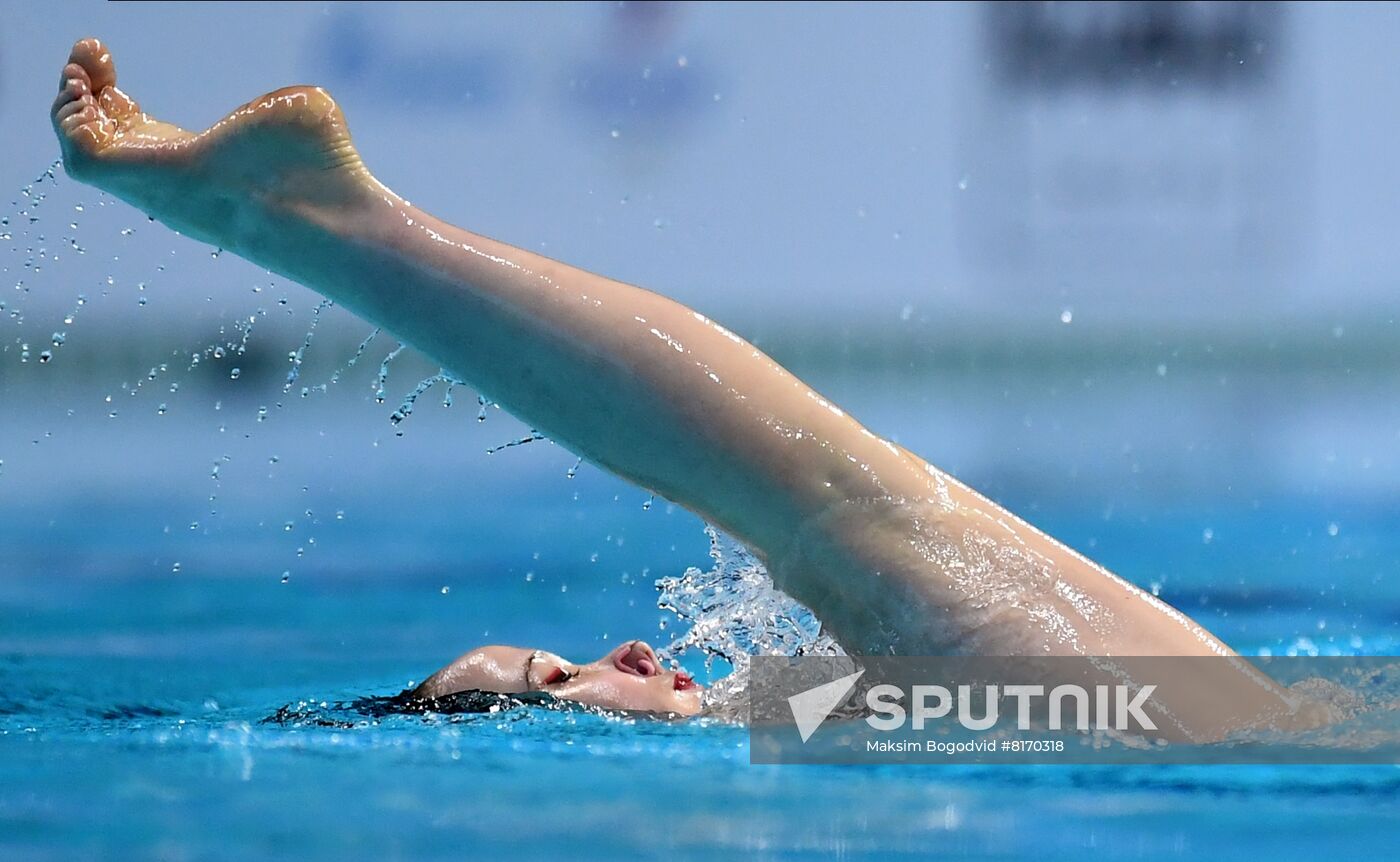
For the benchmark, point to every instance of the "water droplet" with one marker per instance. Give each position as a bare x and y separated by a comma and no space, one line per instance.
616,133
45,356
286,576
175,567
1067,316
1207,535
235,373
161,410
383,376
1161,369
1333,529
446,590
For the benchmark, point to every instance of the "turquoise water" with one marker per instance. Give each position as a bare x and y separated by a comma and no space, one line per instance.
179,565
133,707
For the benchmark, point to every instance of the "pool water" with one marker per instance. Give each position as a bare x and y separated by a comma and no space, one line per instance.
134,707
181,561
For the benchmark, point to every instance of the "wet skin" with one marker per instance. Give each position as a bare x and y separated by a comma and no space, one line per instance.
629,677
892,554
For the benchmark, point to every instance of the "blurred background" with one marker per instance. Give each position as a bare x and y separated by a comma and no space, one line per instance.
1129,268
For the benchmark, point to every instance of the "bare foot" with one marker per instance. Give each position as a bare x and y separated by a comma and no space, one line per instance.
289,149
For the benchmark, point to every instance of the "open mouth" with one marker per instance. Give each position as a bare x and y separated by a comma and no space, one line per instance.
684,682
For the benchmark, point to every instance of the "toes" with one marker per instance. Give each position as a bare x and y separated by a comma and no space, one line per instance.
70,109
117,104
67,96
83,134
74,115
89,106
96,62
71,73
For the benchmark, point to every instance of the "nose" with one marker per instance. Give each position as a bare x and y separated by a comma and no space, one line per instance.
637,658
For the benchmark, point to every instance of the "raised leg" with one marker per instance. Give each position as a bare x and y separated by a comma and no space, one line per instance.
892,554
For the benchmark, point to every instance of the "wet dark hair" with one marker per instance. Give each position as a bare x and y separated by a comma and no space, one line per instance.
457,703
473,702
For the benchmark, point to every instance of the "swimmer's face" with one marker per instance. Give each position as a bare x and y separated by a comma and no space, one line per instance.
629,677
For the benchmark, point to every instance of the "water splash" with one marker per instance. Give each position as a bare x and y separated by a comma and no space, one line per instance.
229,347
246,330
34,195
406,407
339,372
73,315
532,437
734,611
482,402
25,205
383,376
153,374
299,355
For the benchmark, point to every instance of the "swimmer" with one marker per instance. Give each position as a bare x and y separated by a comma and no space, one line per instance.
893,555
630,677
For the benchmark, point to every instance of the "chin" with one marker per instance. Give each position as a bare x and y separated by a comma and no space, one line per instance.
689,702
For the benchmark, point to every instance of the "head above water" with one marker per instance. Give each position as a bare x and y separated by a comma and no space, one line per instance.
629,677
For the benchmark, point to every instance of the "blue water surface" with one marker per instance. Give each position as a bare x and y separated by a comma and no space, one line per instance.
133,707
